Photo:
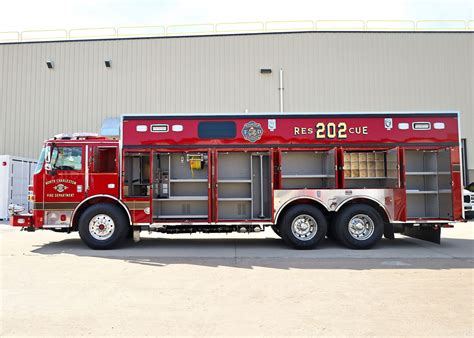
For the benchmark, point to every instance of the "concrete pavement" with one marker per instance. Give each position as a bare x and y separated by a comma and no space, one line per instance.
235,284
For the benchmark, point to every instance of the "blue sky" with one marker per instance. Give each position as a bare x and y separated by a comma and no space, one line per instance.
21,15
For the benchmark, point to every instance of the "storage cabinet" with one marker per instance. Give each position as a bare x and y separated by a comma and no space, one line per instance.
180,185
428,184
308,169
371,169
244,185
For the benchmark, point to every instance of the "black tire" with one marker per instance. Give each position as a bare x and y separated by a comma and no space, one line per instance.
276,229
112,238
369,219
301,213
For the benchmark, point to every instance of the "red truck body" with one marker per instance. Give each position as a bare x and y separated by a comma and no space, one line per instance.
222,173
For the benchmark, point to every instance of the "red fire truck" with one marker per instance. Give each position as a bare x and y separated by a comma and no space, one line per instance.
351,176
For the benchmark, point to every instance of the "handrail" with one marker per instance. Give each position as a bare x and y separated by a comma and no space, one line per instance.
392,25
212,30
10,39
71,31
163,28
35,32
238,27
259,23
441,22
286,25
340,28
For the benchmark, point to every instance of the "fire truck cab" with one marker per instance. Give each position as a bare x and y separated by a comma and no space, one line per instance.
351,176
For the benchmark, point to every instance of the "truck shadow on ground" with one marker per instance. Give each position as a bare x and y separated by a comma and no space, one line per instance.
402,253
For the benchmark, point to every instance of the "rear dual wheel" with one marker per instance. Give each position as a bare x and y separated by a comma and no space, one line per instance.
358,226
303,226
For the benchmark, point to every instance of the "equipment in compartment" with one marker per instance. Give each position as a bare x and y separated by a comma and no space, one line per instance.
137,175
180,185
196,162
371,169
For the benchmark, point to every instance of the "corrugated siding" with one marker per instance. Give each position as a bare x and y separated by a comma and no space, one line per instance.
322,72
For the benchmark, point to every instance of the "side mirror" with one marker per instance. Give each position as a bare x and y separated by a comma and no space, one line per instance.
48,166
49,169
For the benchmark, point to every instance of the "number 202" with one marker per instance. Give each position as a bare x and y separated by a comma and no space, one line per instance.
330,130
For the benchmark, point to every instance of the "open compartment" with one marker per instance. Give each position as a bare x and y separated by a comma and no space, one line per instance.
428,183
375,169
308,169
180,185
137,175
244,185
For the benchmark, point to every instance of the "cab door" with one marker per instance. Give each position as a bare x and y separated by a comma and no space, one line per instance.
64,181
102,170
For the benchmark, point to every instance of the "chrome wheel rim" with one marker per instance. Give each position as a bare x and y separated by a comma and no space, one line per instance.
101,227
304,227
361,227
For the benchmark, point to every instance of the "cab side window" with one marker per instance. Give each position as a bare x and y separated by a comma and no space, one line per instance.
67,158
104,160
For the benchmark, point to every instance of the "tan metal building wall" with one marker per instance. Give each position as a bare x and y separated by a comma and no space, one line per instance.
323,71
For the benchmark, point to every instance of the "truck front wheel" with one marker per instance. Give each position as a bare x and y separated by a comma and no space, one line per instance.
102,226
359,226
303,226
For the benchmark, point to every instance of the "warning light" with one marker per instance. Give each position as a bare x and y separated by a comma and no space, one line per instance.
63,218
4,163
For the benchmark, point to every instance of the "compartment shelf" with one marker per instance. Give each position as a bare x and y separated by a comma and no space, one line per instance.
428,184
188,180
244,185
422,192
183,198
308,169
367,178
225,199
180,216
307,176
420,173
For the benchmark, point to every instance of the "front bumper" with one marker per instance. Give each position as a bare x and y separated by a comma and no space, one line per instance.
21,220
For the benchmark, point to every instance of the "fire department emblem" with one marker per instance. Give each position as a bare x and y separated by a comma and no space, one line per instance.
60,188
252,131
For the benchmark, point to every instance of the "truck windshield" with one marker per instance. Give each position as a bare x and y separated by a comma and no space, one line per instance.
40,163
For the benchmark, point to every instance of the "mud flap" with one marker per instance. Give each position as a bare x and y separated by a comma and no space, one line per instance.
388,231
430,234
